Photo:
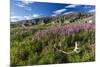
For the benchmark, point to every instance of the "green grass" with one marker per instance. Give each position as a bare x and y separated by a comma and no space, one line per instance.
25,51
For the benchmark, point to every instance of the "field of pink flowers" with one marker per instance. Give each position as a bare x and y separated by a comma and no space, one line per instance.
44,46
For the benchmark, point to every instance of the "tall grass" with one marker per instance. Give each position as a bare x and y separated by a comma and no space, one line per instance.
36,46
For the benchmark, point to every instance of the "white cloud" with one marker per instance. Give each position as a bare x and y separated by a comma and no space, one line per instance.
59,11
27,17
26,1
93,10
19,18
62,14
35,15
23,6
53,15
87,6
16,18
20,5
67,13
71,6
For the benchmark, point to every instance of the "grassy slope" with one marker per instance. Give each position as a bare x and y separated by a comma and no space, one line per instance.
25,51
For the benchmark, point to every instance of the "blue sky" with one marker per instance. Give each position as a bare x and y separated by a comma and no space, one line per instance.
28,9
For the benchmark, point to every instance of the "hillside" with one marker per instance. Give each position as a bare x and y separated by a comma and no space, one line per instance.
53,43
71,17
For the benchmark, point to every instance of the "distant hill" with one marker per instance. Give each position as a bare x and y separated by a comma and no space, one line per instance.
71,17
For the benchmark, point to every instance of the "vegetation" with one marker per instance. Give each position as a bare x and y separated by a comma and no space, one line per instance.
42,44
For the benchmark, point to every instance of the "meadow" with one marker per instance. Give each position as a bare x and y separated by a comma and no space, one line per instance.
52,44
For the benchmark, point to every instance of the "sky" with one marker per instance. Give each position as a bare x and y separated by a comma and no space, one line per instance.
29,9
